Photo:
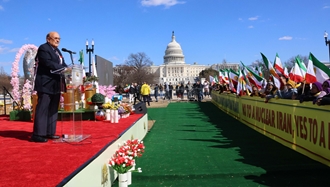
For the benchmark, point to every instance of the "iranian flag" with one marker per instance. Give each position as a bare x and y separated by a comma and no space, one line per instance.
224,77
211,80
286,74
233,76
302,66
220,77
278,65
269,66
231,84
310,76
259,72
291,73
240,84
276,81
253,77
126,89
298,75
322,72
216,80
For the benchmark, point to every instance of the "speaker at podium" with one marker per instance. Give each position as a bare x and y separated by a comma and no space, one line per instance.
140,108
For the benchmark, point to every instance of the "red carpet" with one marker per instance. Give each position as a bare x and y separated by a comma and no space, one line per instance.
25,163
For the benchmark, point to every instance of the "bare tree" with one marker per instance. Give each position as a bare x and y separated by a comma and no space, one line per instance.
290,63
123,75
4,81
207,73
140,63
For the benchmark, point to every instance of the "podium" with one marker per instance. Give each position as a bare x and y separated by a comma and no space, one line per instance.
71,114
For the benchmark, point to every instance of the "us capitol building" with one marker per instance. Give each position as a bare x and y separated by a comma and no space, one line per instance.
174,69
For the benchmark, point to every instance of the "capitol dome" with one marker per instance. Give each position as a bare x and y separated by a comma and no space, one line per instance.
173,53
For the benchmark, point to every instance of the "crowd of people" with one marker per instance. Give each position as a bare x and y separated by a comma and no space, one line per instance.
317,92
146,92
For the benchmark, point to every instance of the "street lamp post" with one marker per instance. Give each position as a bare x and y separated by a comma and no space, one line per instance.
327,42
90,51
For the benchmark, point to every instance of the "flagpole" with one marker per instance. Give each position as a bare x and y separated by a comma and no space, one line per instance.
303,89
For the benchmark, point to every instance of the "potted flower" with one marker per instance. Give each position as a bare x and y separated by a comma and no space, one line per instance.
124,159
107,106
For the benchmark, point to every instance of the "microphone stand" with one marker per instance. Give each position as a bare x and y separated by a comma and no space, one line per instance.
71,58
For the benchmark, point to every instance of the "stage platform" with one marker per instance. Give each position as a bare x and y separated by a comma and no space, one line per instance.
85,163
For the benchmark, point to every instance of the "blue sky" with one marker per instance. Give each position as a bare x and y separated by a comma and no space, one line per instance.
208,31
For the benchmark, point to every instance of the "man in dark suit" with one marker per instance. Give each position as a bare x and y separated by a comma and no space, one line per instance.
48,86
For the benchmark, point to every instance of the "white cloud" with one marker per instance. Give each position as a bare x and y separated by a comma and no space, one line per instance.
1,8
250,27
285,38
2,49
240,19
326,7
5,41
114,58
166,3
253,18
13,50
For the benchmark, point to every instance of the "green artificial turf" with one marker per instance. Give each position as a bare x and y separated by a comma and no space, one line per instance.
196,144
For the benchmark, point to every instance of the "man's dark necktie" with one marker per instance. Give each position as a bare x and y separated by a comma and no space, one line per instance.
59,56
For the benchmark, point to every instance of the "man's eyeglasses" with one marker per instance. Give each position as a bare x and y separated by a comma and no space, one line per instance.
56,38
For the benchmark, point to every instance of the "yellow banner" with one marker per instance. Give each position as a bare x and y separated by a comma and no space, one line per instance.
303,127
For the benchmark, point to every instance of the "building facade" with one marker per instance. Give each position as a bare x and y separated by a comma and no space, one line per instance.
174,68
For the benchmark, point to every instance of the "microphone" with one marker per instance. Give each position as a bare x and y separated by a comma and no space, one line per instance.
66,50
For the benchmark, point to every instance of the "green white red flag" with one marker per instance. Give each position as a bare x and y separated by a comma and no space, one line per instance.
278,65
310,76
269,66
253,77
322,72
299,71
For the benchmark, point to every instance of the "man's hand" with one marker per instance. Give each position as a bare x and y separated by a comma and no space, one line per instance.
67,69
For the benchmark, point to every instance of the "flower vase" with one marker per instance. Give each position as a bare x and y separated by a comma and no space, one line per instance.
116,116
107,114
122,180
129,175
112,116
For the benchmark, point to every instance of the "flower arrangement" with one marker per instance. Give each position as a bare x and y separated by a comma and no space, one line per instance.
107,91
111,106
124,158
124,108
136,146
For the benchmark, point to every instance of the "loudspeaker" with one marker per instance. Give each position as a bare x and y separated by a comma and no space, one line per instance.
140,108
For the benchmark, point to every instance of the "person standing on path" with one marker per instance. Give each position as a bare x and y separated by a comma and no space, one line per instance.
145,92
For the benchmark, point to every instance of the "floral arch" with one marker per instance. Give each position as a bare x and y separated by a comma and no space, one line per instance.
27,88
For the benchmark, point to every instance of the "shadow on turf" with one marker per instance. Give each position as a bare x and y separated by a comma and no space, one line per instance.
283,166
